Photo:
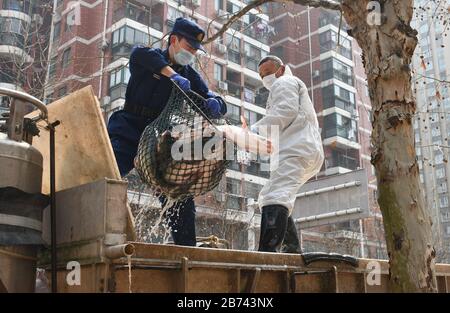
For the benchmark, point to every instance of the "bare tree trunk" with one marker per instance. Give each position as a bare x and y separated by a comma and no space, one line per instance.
387,52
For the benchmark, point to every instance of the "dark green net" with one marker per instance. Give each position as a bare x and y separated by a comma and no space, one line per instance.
190,176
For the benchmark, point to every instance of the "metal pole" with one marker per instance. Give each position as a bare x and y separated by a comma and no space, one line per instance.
51,127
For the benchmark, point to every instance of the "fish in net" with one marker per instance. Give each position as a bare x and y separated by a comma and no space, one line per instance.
183,128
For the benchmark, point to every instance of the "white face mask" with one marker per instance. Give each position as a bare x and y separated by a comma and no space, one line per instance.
184,57
269,80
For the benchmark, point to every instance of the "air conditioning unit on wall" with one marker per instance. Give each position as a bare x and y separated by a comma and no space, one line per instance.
316,74
221,48
196,3
223,85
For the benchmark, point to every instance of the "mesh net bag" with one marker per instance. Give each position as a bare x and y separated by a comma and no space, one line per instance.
182,129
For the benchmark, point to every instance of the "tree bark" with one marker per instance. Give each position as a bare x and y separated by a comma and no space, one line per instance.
387,52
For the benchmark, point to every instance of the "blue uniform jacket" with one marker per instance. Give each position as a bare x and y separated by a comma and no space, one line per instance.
147,87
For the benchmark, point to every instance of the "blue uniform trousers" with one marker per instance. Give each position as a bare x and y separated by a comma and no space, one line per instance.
125,130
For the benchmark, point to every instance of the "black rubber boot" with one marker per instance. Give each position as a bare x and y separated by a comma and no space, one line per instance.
291,244
274,220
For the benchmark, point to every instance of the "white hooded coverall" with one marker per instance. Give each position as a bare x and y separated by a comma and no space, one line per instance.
300,151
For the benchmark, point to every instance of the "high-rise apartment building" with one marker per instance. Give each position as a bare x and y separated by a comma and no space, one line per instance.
431,79
24,28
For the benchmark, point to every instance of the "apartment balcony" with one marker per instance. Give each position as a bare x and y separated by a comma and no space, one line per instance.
13,46
327,18
340,163
254,32
251,63
8,76
234,89
249,95
122,50
235,166
334,73
341,137
139,14
343,161
234,202
117,92
257,169
333,46
261,98
234,56
344,234
16,5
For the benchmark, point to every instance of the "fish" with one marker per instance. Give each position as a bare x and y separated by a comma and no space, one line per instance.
178,179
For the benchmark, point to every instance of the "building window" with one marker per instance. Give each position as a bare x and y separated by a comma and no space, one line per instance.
438,159
66,58
232,8
445,216
443,201
333,68
233,113
329,41
11,24
17,5
56,31
335,96
118,36
118,83
155,42
339,158
172,15
253,55
218,4
126,37
338,125
11,30
52,67
120,76
442,188
440,172
218,72
234,48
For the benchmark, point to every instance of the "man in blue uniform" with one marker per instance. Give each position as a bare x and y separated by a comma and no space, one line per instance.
153,72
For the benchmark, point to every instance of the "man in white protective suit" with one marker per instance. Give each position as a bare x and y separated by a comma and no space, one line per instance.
297,155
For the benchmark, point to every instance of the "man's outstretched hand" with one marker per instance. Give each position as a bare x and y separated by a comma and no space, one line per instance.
184,83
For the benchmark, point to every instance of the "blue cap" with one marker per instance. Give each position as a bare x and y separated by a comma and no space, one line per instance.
190,31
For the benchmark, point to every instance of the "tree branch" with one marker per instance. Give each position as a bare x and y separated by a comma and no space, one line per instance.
327,4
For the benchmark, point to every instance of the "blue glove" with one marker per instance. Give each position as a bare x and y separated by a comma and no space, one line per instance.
184,84
214,107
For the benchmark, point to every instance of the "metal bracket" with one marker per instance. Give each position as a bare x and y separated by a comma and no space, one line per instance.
253,281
